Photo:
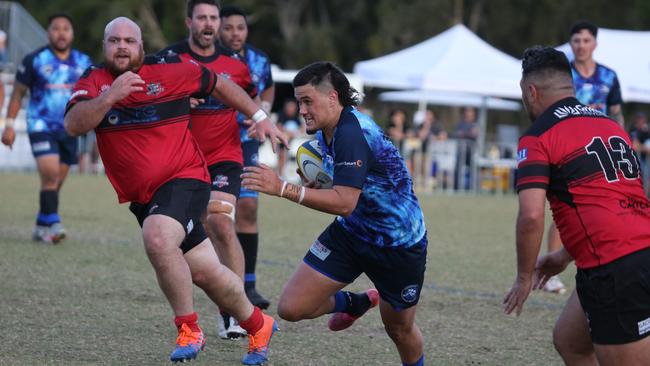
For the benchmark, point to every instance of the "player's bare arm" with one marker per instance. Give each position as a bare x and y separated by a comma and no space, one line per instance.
550,265
530,230
339,200
86,115
237,98
616,113
266,98
9,134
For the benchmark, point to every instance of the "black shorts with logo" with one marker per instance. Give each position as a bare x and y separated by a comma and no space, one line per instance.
250,150
398,273
184,200
616,298
226,177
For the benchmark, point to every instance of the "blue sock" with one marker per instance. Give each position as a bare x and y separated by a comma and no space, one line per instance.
419,362
340,302
351,303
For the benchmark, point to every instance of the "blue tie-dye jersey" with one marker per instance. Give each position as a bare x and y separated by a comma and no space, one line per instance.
388,213
50,81
259,66
600,90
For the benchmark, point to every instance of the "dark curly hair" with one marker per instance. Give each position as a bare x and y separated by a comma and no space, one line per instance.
323,71
538,58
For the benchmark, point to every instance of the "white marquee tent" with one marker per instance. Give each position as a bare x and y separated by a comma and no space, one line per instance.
449,99
455,60
626,52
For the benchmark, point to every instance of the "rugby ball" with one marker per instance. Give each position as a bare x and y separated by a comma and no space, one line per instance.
310,162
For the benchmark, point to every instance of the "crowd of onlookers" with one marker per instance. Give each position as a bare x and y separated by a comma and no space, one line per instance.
417,140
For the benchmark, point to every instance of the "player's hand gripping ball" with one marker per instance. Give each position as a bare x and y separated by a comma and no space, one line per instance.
310,163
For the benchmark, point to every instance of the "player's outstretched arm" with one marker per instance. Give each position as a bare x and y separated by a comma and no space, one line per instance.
8,133
86,115
550,265
236,97
530,230
340,200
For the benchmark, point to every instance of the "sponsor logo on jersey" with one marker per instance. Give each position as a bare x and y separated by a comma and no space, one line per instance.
154,89
410,293
190,226
357,164
46,70
113,119
634,203
522,155
577,110
78,93
319,250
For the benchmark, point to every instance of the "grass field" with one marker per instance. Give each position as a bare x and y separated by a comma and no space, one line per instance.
94,299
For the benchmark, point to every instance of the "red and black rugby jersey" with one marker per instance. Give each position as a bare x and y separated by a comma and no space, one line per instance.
585,162
144,140
213,123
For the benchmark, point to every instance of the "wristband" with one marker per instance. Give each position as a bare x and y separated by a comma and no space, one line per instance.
292,192
284,185
259,116
302,195
9,123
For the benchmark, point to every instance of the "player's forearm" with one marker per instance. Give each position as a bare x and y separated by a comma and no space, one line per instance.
2,94
330,201
267,97
86,115
235,97
530,230
16,100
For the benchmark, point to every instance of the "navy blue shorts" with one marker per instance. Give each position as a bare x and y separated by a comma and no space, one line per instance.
55,142
226,177
250,150
398,273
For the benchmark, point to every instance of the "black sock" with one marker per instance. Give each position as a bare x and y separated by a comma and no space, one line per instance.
249,245
357,304
48,207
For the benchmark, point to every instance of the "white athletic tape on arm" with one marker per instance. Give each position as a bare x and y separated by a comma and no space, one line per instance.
284,185
9,123
259,116
302,195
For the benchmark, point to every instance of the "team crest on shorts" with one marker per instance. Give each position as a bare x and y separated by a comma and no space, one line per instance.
220,181
319,250
410,293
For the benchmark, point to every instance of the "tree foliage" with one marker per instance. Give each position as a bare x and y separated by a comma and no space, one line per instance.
297,32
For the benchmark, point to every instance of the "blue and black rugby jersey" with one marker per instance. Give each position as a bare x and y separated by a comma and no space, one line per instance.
259,66
50,81
600,90
360,155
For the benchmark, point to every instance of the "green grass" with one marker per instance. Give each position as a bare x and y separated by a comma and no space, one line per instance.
94,299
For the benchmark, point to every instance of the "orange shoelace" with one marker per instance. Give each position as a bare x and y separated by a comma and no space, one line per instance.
187,337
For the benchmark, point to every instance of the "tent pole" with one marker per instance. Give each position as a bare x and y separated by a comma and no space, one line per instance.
480,143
